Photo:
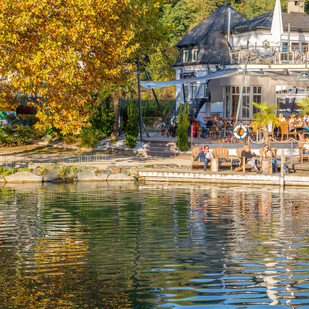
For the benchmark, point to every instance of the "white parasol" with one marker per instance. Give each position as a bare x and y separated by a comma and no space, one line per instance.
276,26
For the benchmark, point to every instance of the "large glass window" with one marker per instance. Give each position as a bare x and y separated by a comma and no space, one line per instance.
287,97
249,94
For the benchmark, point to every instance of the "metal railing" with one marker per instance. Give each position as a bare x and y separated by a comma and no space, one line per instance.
263,55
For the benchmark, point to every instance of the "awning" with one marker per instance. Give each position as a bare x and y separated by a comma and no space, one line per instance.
215,75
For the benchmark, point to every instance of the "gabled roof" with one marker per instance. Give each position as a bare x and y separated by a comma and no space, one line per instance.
298,21
217,21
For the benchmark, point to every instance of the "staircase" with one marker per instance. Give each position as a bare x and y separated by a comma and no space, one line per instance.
161,149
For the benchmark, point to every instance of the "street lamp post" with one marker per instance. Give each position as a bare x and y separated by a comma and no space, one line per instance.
139,101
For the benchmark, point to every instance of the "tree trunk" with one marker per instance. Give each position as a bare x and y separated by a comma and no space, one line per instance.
265,134
114,135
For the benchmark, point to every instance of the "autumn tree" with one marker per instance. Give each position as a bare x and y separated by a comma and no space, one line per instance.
64,50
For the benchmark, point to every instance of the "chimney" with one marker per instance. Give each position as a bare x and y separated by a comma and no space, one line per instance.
297,6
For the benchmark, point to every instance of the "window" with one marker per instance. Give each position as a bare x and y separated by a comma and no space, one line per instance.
194,54
287,97
257,96
304,47
235,89
284,47
186,92
194,91
185,56
245,106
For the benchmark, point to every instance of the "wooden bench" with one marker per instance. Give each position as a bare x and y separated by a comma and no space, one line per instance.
223,153
242,165
195,151
220,153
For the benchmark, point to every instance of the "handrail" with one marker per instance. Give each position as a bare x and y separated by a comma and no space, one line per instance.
264,55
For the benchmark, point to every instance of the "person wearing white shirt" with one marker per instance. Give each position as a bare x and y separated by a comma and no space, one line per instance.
205,156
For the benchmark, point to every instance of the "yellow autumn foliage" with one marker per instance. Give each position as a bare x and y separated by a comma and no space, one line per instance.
64,50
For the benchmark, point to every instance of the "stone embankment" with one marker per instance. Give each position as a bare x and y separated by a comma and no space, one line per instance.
65,173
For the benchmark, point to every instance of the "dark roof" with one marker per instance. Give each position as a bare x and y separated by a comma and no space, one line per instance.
261,21
217,21
298,21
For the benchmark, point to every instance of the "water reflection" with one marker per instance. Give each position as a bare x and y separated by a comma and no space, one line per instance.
155,245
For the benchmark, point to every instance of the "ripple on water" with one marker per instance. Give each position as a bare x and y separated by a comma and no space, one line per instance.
147,246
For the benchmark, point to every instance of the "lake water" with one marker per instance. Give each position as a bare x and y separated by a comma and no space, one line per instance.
153,246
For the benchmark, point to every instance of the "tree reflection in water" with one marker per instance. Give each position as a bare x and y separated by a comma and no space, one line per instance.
140,246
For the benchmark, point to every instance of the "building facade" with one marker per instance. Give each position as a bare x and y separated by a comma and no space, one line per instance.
268,70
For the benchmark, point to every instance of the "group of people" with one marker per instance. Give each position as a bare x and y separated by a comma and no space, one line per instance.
206,124
250,157
298,124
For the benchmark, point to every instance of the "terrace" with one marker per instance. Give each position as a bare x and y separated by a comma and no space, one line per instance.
264,55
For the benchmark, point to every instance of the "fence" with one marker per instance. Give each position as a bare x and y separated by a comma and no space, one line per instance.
54,159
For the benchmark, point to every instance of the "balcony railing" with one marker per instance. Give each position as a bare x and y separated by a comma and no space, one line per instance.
263,55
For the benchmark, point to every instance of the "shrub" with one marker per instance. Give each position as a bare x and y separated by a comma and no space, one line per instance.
101,118
182,129
132,126
17,135
69,139
8,172
42,171
25,169
89,138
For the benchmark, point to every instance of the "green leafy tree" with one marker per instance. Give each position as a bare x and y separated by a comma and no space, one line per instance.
132,128
252,8
304,105
265,116
182,129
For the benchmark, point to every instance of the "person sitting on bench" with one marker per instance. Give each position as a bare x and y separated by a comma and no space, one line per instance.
250,158
205,156
267,153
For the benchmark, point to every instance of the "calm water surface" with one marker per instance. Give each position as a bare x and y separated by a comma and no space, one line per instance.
153,246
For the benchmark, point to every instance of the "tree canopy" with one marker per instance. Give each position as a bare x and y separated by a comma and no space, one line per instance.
65,49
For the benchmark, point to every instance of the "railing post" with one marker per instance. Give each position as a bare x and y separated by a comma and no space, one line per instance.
191,135
282,169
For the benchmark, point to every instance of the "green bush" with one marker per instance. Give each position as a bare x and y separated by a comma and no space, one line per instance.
8,172
89,138
132,127
25,169
102,118
182,129
69,139
17,135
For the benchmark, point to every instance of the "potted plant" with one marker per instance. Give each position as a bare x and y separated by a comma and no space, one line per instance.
264,117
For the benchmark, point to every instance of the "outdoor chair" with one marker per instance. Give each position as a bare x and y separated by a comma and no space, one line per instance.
242,165
285,130
298,57
255,57
302,154
274,151
223,155
243,54
213,132
273,133
198,129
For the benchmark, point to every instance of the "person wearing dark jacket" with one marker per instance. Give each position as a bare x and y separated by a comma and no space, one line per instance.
250,157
